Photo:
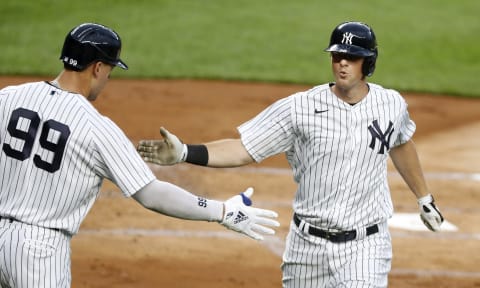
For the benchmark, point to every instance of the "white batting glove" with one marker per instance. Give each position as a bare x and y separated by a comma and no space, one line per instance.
429,213
250,221
168,151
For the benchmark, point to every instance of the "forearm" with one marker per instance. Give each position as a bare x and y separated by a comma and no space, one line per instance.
227,153
221,153
171,200
407,163
235,213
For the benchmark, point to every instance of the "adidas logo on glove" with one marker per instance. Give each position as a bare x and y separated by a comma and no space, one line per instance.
240,217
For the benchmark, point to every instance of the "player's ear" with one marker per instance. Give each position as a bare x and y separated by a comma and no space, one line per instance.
97,67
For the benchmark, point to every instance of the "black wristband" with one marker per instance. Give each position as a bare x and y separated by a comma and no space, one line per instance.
197,154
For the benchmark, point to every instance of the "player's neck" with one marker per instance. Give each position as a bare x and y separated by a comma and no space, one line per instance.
351,95
75,82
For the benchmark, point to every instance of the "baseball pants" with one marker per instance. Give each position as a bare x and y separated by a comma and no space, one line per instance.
32,256
311,261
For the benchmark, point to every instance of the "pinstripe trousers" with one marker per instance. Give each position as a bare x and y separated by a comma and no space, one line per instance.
32,256
310,261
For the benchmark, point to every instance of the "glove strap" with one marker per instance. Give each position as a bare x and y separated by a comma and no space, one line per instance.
197,154
425,199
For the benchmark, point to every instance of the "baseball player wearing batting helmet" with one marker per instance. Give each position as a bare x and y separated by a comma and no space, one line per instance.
56,149
337,138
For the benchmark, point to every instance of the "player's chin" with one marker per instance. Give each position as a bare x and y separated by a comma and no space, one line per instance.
342,83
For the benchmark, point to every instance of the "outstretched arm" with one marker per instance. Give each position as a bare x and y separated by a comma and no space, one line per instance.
170,150
235,213
405,159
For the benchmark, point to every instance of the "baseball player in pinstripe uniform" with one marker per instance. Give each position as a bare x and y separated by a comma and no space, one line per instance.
56,149
337,138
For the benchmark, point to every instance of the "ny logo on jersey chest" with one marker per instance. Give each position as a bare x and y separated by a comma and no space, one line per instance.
378,134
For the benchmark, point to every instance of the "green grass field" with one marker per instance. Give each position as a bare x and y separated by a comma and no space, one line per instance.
424,46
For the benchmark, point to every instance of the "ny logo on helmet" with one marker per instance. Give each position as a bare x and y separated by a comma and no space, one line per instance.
347,38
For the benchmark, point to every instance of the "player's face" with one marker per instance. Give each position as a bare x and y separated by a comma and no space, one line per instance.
347,70
101,75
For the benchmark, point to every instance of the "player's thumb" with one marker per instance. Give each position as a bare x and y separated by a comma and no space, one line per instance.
164,132
248,192
246,196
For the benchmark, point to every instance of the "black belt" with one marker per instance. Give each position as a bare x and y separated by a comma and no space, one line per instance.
11,220
336,237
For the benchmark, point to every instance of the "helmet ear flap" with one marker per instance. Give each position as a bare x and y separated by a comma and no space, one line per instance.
368,66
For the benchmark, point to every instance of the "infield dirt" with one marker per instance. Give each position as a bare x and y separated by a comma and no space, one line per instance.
120,244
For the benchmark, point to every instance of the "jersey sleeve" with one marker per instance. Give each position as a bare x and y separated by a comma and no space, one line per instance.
270,132
120,161
406,128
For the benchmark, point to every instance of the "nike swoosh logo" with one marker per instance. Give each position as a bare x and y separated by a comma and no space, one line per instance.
320,111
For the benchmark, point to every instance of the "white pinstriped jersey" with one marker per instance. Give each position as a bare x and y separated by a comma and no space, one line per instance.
55,151
338,152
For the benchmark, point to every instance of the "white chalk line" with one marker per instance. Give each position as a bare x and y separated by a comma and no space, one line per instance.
437,273
277,245
287,171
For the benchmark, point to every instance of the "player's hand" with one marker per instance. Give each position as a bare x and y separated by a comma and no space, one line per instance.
429,213
238,216
168,151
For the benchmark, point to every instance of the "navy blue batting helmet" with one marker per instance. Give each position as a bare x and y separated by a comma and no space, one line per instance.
355,38
90,42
